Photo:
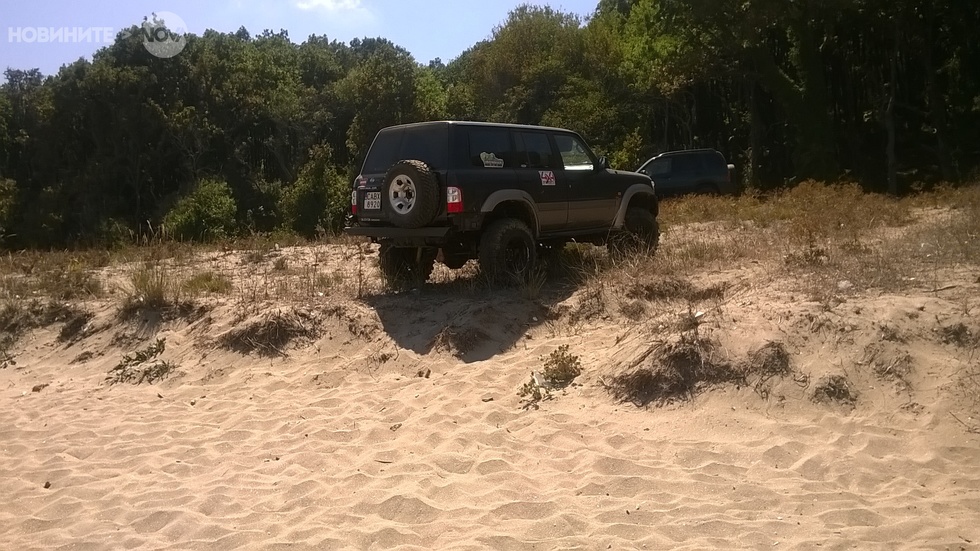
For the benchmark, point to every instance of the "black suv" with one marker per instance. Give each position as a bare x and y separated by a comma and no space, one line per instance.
690,171
456,191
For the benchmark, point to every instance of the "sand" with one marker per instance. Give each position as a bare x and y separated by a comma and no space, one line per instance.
398,425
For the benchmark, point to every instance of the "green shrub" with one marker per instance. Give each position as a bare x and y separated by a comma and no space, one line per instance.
320,197
206,214
8,205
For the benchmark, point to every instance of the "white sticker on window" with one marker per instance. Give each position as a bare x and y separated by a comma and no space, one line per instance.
490,160
547,177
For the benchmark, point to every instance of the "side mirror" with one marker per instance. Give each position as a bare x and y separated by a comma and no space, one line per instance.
602,164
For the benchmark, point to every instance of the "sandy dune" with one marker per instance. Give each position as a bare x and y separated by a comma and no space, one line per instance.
341,444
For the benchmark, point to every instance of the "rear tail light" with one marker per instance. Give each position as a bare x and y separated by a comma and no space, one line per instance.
454,200
353,202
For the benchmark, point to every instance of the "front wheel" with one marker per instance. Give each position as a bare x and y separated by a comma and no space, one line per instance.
641,233
507,248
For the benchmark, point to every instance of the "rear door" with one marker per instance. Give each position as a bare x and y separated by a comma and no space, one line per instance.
536,166
591,205
687,172
489,164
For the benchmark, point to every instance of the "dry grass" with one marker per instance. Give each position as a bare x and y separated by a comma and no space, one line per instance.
769,362
835,389
459,340
153,287
810,210
679,370
269,334
208,282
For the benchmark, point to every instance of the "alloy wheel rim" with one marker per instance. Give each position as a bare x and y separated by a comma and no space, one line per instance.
402,194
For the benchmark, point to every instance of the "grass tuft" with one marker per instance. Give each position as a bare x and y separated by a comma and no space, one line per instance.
208,282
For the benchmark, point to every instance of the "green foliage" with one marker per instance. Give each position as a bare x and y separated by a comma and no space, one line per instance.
786,91
320,197
8,205
381,90
629,156
206,214
562,367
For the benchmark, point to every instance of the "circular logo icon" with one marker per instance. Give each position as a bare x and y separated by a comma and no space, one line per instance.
163,34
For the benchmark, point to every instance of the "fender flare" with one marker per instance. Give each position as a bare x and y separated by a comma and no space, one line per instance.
505,195
631,192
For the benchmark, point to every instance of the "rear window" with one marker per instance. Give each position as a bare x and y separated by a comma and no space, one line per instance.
384,152
712,159
428,144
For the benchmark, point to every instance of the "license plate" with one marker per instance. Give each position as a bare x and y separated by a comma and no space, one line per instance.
372,200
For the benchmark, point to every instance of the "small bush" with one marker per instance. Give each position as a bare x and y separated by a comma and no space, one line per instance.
561,367
142,366
559,370
206,214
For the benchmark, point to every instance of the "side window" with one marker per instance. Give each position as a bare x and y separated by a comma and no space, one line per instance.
490,148
687,163
534,150
659,167
574,154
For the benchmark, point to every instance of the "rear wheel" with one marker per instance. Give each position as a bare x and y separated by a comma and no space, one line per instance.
406,264
507,249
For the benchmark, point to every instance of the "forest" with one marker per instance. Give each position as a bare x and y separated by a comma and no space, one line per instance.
243,133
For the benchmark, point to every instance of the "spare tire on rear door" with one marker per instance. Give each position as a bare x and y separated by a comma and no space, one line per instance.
411,194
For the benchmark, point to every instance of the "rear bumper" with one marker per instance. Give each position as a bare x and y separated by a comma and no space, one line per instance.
401,236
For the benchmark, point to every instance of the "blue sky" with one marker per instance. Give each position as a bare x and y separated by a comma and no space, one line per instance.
428,29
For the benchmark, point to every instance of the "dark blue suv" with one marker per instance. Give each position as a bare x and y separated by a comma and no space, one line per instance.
701,171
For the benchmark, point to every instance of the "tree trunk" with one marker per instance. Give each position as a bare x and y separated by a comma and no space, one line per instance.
890,117
756,136
806,105
937,108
